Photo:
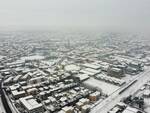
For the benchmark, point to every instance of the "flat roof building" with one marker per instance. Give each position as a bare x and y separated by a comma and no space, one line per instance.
31,105
90,65
130,110
18,94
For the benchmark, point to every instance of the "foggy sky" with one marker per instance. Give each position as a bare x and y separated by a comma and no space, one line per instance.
115,14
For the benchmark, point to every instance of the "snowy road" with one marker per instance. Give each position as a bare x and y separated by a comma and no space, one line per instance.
2,110
112,100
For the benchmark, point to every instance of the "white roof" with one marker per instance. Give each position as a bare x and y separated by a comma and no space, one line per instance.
14,87
87,72
93,66
82,76
30,103
92,70
8,79
32,89
61,111
114,110
67,108
86,107
17,77
147,92
130,110
36,57
15,92
72,67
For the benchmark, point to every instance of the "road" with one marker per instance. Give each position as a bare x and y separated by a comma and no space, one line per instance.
2,110
113,99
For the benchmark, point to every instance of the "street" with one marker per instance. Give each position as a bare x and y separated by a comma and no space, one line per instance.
112,100
2,110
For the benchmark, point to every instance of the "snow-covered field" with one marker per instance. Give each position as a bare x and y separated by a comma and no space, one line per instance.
107,88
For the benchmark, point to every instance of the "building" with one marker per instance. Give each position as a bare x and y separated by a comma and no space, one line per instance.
32,91
131,110
131,70
82,77
26,77
85,109
17,78
18,94
115,72
79,105
136,65
90,71
146,93
93,66
31,105
72,68
94,96
82,102
37,80
68,109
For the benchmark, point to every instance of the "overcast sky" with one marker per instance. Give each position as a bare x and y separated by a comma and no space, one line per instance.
129,14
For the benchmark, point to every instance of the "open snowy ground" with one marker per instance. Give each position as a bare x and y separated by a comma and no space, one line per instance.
107,88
